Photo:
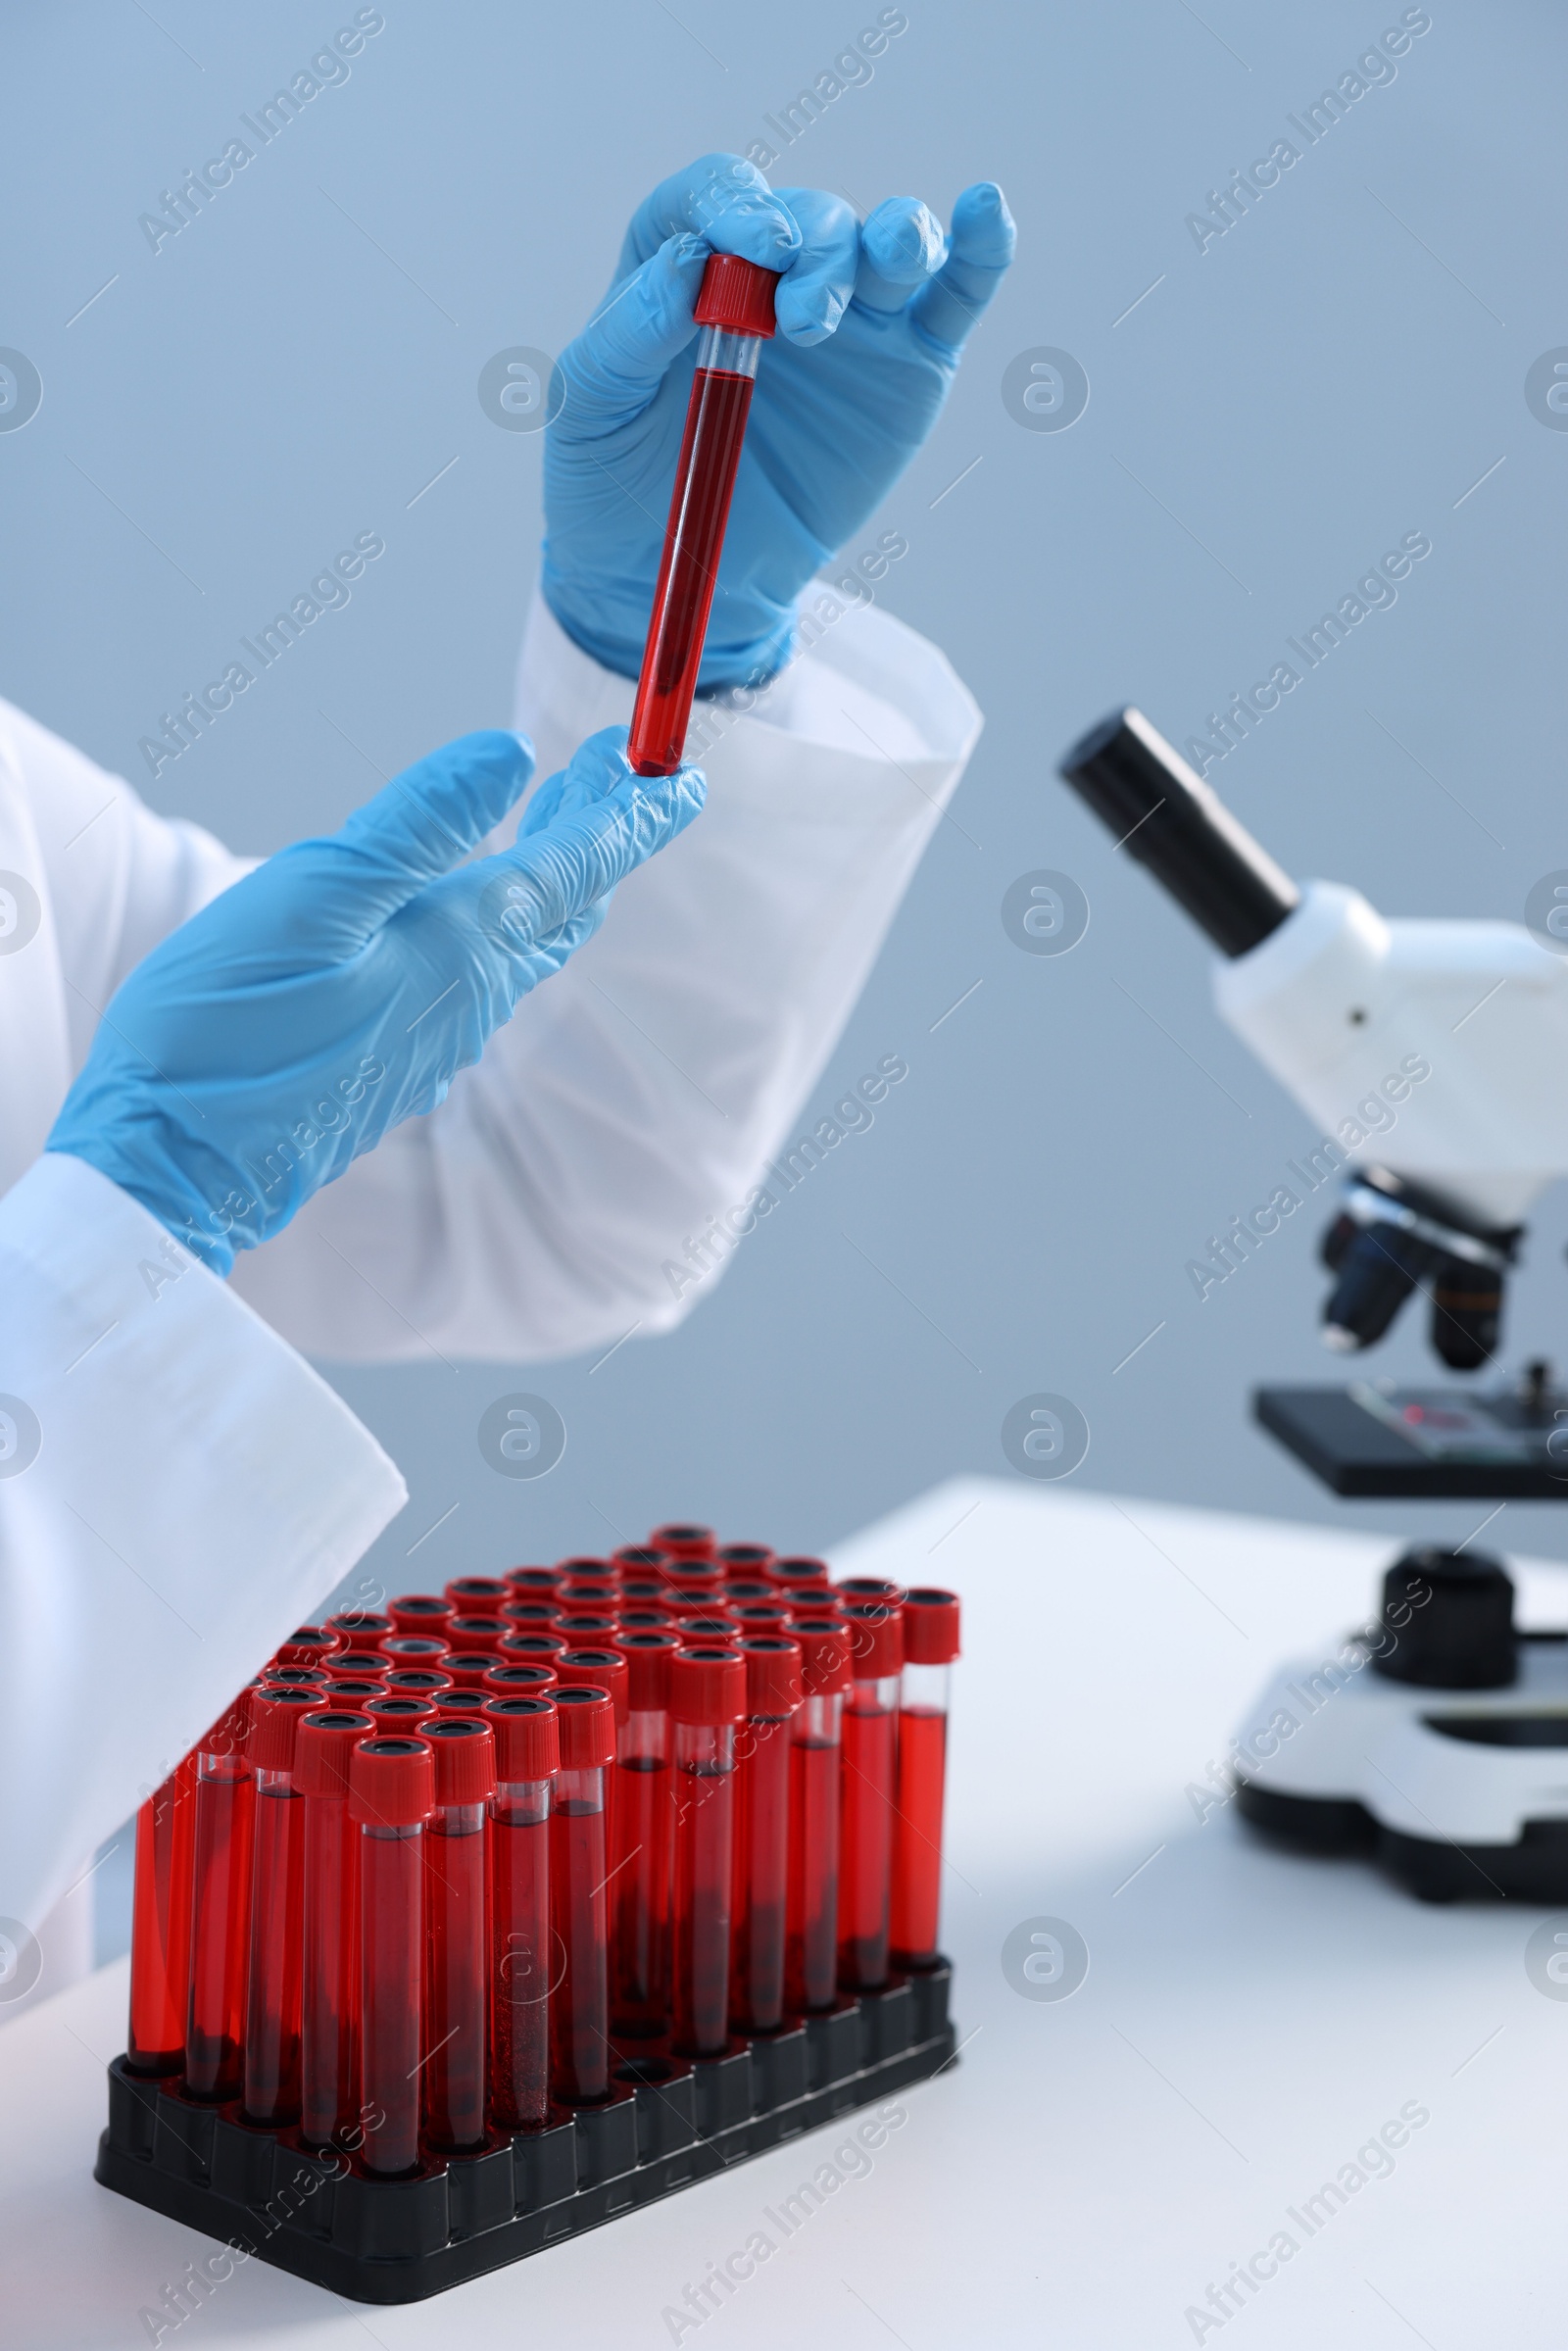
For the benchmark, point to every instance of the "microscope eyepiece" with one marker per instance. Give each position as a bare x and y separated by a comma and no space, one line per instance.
1169,818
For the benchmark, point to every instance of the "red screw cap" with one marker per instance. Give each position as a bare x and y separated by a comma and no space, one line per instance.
310,1644
930,1626
590,1630
465,1752
531,1615
527,1740
869,1587
524,1581
708,1685
681,1540
824,1646
637,1559
596,1668
351,1689
421,1612
474,1632
391,1782
401,1713
294,1677
736,294
798,1573
519,1682
773,1683
580,1564
876,1638
414,1648
450,1703
418,1682
648,1651
529,1648
585,1719
478,1596
359,1662
361,1628
326,1740
275,1717
761,1616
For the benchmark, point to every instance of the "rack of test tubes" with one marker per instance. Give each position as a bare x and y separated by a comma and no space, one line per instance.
481,1919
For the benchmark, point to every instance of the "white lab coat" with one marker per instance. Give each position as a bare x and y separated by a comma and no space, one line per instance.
195,1487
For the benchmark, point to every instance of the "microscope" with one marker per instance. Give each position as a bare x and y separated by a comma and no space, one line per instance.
1433,1059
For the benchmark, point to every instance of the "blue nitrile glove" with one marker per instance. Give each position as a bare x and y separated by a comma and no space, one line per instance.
871,321
339,988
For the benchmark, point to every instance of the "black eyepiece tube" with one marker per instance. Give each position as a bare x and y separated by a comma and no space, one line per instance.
1168,819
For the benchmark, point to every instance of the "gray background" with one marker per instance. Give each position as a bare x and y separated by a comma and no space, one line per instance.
1337,370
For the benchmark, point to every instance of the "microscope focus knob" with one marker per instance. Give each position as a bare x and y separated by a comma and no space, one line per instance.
1449,1621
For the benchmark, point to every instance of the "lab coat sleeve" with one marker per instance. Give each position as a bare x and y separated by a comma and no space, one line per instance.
178,1489
545,1207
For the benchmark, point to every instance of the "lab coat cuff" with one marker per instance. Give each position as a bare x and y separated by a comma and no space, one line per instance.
132,1353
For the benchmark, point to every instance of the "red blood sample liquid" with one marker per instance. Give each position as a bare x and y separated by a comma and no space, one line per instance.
221,1906
521,1955
773,1693
160,1936
870,1763
816,1755
930,1644
391,1796
579,2002
642,1813
707,1703
458,1961
277,1896
329,2037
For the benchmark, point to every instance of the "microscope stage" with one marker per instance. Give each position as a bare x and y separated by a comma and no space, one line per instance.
1424,1443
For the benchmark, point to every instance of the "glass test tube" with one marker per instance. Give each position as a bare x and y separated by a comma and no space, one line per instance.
391,1796
930,1645
580,1999
523,1961
870,1763
330,2038
811,1955
643,1814
456,2036
773,1693
221,1905
278,1894
160,1933
706,1705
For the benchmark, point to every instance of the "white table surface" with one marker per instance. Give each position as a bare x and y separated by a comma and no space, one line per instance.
1248,2021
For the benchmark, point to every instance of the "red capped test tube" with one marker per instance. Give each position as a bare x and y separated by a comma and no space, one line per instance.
734,308
637,1560
706,1705
414,1682
530,1648
643,1817
277,1897
295,1677
527,1757
329,2035
351,1689
579,1904
930,1645
421,1612
531,1583
478,1596
359,1662
405,1649
519,1682
811,1955
800,1576
391,1796
455,2038
481,1630
596,1668
361,1628
160,1933
773,1693
682,1541
870,1767
531,1615
748,1561
399,1712
310,1644
221,1905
